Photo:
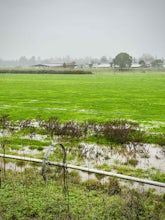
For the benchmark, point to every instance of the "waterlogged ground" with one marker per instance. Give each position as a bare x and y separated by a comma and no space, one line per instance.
150,159
101,97
27,139
146,156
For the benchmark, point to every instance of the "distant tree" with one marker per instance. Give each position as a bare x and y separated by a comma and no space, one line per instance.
94,60
142,63
123,60
64,65
157,63
23,61
147,58
32,61
103,59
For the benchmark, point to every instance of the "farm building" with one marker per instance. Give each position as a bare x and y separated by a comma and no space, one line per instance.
135,65
56,65
102,65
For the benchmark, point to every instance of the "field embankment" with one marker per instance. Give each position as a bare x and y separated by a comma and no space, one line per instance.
42,71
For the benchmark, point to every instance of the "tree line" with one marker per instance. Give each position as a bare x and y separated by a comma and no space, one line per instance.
122,61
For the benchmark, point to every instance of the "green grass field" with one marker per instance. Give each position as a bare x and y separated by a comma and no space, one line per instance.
101,96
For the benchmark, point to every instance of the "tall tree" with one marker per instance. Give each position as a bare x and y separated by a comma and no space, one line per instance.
123,60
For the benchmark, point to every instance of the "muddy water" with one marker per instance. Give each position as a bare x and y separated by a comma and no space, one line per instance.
147,155
37,137
13,166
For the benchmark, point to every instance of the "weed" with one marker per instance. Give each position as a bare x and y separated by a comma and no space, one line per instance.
93,184
113,186
26,196
122,131
157,138
74,177
132,162
133,207
4,121
20,163
158,176
104,166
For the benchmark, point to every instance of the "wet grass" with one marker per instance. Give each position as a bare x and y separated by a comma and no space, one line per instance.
99,97
152,174
90,108
26,196
114,134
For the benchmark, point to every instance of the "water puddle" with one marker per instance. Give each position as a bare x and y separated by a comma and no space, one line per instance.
28,151
147,155
59,109
14,166
37,137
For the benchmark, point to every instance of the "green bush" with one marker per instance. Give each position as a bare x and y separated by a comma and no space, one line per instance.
122,131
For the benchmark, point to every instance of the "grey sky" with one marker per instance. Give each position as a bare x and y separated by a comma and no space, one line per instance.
50,28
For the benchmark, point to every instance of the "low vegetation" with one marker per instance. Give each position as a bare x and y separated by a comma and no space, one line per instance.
116,132
117,135
42,71
93,115
100,97
31,198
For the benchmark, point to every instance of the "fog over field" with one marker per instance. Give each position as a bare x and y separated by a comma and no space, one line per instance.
81,28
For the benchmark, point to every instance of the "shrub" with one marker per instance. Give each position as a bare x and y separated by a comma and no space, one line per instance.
52,126
122,131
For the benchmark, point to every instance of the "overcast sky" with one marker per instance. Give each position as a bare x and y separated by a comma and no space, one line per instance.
79,28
